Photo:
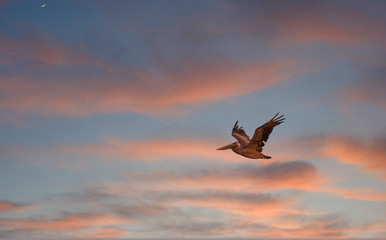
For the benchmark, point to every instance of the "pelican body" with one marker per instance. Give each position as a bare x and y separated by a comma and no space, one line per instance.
252,148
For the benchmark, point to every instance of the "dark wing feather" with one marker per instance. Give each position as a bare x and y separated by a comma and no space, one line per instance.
240,135
262,133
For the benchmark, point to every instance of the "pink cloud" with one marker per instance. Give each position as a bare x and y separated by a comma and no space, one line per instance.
248,205
46,50
327,226
67,224
149,150
366,91
288,175
137,90
11,206
131,150
106,232
316,22
362,194
370,155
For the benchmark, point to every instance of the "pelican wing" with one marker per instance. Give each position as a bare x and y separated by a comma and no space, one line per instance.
240,135
262,133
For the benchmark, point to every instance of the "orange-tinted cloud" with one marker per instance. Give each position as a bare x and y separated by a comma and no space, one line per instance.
145,150
10,206
140,91
288,175
369,90
369,154
106,232
131,150
325,226
313,22
45,50
68,223
237,203
134,150
362,194
274,175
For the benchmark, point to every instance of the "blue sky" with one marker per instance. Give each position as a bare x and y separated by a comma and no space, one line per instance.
110,114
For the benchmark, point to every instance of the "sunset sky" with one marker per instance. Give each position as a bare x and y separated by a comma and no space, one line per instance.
111,113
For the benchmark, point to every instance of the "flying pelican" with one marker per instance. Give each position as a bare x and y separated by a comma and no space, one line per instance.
252,148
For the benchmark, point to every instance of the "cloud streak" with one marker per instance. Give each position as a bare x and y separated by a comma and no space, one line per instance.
43,50
6,206
334,22
66,224
368,154
296,175
138,90
367,90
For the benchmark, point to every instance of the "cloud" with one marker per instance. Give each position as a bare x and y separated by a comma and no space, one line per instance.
262,21
182,212
138,90
67,224
368,154
150,150
106,232
368,90
177,76
245,200
196,228
233,202
295,175
210,201
275,175
129,150
364,194
293,226
300,23
6,206
43,50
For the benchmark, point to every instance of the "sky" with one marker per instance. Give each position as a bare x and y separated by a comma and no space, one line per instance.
111,113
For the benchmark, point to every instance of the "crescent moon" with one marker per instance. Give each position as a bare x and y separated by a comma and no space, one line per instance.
43,5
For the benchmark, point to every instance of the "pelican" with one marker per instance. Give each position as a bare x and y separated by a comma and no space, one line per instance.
252,148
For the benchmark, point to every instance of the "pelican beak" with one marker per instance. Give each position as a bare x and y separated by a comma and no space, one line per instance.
229,146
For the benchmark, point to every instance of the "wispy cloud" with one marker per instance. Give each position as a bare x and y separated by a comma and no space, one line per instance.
299,23
67,224
326,226
150,150
369,89
296,175
128,150
105,232
244,200
368,154
6,206
43,50
139,90
364,194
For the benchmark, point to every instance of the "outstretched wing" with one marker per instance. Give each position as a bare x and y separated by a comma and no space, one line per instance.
262,133
240,135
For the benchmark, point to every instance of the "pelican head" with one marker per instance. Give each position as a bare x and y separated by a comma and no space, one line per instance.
229,146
